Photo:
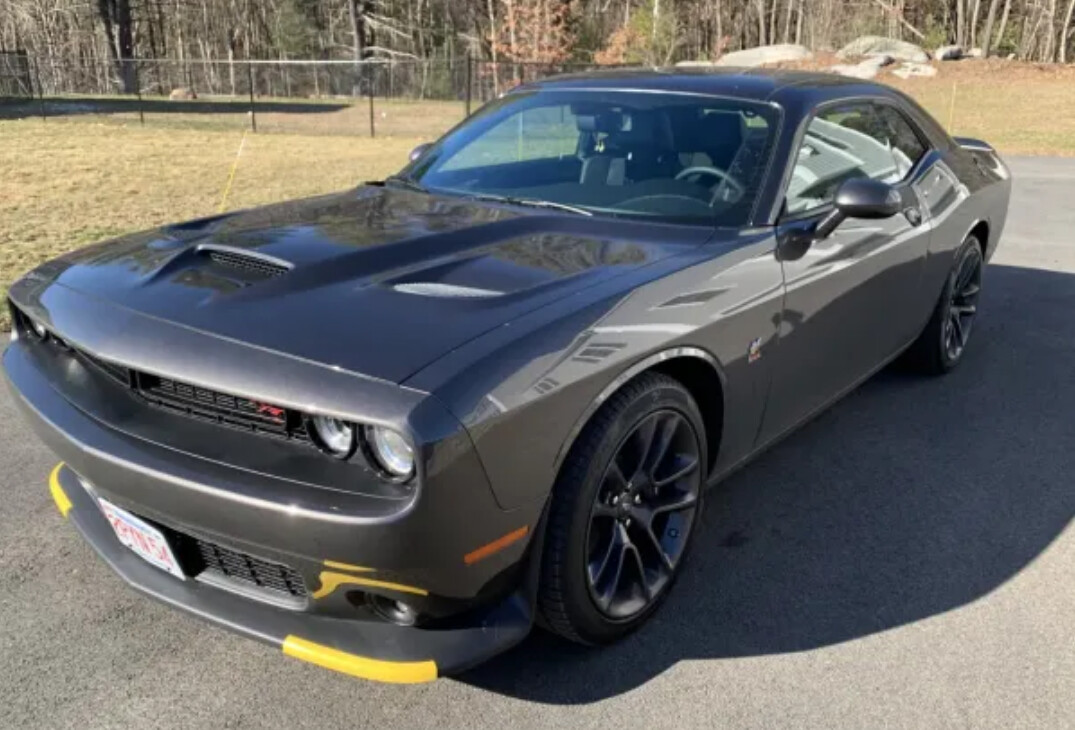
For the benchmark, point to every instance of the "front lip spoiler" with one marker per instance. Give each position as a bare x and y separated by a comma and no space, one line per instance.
370,650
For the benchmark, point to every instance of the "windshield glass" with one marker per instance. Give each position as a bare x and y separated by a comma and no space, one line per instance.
660,156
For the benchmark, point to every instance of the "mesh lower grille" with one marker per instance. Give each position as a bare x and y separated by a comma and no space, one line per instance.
250,570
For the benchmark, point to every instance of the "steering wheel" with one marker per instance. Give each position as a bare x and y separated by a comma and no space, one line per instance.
726,181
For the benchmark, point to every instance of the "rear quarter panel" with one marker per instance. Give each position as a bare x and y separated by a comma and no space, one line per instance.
966,192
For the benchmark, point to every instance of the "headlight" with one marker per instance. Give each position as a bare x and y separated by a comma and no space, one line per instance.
333,436
391,451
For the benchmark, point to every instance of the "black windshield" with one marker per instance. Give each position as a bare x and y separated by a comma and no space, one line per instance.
664,156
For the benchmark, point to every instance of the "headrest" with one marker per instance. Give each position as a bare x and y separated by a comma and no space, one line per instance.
598,122
645,129
722,128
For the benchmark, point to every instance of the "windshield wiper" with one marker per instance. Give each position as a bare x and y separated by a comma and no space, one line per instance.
530,203
406,182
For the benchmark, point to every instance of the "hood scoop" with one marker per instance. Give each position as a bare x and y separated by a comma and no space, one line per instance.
243,267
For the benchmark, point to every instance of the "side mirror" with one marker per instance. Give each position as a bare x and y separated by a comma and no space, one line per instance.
420,150
860,197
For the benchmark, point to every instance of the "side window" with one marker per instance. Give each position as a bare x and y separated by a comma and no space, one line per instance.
907,146
841,142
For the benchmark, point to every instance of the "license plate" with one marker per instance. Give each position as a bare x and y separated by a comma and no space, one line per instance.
143,538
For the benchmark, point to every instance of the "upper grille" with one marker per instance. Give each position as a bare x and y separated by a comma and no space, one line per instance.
221,408
117,372
251,264
201,403
189,400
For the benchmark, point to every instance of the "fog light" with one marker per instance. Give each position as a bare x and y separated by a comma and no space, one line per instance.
391,610
333,436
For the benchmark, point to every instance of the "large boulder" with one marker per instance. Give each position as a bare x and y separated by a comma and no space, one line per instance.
765,54
865,69
948,53
870,44
908,70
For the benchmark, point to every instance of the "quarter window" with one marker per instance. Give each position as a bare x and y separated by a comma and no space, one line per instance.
848,141
906,145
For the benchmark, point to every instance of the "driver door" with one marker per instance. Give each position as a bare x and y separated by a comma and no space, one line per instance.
852,300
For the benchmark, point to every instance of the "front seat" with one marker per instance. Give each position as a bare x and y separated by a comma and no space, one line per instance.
715,139
642,151
600,164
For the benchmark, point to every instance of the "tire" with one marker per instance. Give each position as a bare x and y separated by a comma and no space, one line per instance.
592,501
932,353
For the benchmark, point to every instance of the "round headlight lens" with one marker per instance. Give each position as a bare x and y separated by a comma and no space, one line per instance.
391,450
334,436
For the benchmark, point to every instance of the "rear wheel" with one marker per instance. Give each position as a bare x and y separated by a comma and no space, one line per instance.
942,343
623,511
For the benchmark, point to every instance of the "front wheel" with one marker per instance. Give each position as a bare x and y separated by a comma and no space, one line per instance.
942,343
622,512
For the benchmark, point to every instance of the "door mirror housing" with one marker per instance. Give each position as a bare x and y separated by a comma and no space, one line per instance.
860,197
419,151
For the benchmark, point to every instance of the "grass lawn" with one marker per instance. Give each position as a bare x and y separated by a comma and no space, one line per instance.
93,171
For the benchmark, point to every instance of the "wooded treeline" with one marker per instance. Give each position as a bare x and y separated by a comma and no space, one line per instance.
549,31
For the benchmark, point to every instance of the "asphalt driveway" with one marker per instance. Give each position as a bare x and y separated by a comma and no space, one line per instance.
906,560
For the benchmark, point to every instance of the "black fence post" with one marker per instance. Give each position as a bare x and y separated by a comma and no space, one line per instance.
40,88
250,81
470,78
138,91
369,91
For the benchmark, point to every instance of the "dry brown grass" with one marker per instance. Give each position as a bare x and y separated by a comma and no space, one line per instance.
67,185
84,176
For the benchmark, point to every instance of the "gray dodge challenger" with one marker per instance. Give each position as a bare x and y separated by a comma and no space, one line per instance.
388,430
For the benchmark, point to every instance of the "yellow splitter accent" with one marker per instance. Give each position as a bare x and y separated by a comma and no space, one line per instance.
360,666
58,495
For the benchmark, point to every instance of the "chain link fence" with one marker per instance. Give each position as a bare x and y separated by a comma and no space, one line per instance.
393,97
15,80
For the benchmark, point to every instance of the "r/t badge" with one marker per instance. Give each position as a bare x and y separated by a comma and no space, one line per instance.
754,351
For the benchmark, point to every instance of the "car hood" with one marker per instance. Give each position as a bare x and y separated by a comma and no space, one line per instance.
377,281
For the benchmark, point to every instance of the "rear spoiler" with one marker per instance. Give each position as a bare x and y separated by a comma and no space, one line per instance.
973,145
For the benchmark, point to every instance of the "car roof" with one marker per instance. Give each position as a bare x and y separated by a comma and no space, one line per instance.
759,84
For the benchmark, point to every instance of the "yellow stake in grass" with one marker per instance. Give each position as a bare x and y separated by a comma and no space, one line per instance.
952,108
231,175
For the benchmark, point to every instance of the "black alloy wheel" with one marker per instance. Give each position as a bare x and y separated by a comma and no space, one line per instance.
642,515
962,304
943,341
623,511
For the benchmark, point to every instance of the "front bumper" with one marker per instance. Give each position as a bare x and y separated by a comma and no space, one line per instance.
377,651
343,545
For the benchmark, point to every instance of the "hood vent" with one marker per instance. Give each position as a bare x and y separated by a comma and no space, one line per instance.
250,263
439,289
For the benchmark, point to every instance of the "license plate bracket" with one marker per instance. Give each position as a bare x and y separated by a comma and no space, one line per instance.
142,538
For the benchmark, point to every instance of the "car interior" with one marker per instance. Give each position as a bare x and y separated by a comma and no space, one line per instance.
676,160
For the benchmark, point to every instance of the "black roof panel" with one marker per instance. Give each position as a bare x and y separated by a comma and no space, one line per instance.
748,83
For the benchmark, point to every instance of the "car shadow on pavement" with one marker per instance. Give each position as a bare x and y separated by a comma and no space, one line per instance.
912,497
